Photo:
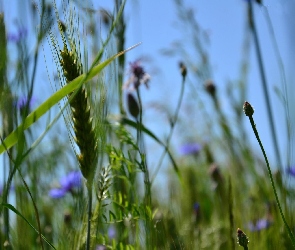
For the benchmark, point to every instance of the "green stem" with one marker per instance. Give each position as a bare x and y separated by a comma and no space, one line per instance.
285,101
120,36
140,141
35,208
264,85
173,123
89,216
147,182
272,181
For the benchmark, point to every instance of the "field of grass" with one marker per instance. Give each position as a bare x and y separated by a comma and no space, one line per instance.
82,167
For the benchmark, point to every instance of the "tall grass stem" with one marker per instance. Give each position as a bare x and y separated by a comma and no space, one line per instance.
173,123
291,235
89,214
264,85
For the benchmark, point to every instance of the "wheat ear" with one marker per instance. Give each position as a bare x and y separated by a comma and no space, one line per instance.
83,126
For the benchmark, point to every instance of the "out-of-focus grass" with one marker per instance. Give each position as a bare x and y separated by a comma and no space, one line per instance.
196,198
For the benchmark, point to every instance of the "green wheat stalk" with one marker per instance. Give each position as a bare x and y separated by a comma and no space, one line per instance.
85,136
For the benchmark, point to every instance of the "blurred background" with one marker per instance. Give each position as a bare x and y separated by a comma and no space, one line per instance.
213,40
224,34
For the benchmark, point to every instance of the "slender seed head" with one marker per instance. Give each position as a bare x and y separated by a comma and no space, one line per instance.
248,109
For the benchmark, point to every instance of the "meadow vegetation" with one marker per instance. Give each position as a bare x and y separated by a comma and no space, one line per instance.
78,164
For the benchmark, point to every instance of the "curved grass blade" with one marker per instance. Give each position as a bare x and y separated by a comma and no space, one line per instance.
152,135
12,138
12,208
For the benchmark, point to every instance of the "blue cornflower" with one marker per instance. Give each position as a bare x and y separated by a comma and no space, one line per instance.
259,225
190,149
112,233
22,102
291,171
22,33
67,184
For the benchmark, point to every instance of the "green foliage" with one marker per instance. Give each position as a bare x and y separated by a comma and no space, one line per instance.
134,190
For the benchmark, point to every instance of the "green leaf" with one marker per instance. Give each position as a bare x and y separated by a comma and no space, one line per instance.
12,138
112,216
133,124
12,208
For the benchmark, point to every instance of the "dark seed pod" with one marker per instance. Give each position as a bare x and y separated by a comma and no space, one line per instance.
210,88
242,239
248,109
183,69
133,107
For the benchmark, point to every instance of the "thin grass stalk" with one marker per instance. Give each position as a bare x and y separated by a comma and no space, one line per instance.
229,138
264,85
7,118
249,111
289,129
147,182
120,36
36,55
89,215
16,164
231,214
172,126
35,207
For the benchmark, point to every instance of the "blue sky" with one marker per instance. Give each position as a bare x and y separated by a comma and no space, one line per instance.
154,24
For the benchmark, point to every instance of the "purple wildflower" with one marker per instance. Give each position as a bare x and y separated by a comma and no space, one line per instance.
15,38
112,232
291,171
138,76
259,225
67,184
190,149
22,102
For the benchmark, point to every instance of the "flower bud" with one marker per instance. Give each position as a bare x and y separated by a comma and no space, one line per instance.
248,109
133,107
183,69
210,88
242,238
